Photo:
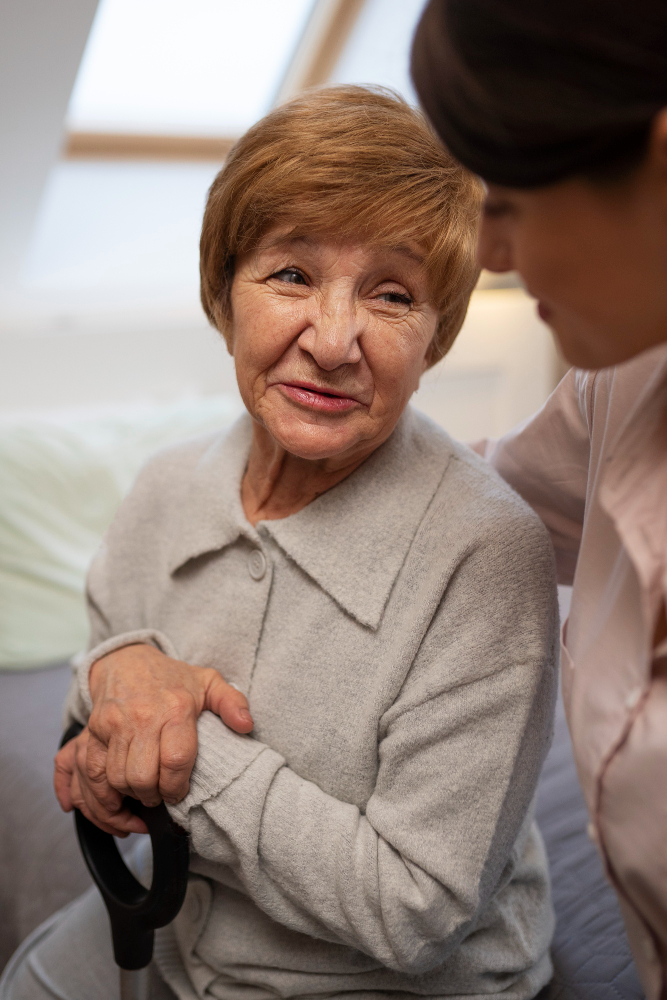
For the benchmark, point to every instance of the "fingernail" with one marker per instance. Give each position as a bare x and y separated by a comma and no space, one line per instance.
245,715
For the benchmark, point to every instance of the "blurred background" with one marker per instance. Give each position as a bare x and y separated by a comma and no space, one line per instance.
114,118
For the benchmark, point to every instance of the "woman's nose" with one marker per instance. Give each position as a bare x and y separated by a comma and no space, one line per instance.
332,336
494,248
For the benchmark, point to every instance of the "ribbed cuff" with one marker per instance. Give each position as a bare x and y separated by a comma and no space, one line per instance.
145,636
222,756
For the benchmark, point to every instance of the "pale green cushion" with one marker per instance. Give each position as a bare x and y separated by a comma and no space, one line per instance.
61,480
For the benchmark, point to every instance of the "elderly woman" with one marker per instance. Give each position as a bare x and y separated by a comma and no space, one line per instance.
381,598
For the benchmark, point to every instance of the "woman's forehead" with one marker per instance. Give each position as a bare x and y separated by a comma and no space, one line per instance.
287,238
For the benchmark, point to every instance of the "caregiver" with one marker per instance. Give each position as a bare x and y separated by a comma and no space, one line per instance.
562,110
383,599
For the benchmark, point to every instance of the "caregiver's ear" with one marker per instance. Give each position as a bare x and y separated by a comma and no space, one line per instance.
657,150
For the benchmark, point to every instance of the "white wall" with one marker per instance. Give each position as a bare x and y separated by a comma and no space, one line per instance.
41,42
107,364
500,370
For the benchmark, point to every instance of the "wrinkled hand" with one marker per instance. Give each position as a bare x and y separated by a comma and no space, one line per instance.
141,738
82,784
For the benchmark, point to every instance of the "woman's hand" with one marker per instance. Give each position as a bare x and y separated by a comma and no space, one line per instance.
141,738
82,786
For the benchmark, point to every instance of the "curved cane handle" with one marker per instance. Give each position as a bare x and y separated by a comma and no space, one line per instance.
135,912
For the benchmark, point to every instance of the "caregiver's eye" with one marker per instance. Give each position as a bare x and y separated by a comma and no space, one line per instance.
495,208
290,275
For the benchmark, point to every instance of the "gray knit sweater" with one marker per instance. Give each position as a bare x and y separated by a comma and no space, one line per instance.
396,640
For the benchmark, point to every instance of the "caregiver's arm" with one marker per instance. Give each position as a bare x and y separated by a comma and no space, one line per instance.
404,879
546,460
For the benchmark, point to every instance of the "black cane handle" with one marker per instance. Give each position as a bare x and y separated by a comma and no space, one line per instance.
136,912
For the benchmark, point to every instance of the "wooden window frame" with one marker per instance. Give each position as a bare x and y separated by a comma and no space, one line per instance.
314,59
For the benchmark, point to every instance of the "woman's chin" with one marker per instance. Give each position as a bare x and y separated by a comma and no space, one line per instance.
315,440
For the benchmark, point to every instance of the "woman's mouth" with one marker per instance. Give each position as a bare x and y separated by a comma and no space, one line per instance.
316,398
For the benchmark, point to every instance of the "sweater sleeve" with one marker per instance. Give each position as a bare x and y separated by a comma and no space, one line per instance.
405,879
546,460
102,640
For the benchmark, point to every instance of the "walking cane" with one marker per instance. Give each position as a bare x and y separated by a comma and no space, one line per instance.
135,912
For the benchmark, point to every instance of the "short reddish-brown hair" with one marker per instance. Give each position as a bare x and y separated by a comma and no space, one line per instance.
351,162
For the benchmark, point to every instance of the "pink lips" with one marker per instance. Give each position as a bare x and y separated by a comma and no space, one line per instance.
316,398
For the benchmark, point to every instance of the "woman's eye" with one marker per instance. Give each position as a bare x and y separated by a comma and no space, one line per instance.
290,275
396,298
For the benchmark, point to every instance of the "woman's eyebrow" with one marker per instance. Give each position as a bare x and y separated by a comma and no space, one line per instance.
280,242
412,253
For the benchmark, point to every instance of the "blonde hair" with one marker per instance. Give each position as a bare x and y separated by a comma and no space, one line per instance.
351,162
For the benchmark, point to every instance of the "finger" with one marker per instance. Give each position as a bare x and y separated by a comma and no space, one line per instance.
231,705
63,766
178,751
118,821
91,806
124,823
94,779
118,825
88,778
142,768
75,792
116,763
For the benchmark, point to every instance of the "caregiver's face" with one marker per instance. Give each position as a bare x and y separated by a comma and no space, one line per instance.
593,255
329,341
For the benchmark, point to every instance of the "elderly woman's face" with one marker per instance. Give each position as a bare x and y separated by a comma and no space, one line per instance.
329,341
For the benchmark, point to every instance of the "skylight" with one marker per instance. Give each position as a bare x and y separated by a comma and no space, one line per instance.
123,233
378,50
205,67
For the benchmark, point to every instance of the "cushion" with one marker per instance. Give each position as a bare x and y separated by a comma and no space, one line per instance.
62,477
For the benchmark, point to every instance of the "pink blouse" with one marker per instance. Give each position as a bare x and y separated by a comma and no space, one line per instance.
593,464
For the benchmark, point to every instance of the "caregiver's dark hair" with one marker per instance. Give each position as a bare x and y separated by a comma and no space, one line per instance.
527,92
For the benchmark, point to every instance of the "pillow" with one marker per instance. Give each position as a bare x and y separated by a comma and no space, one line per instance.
62,477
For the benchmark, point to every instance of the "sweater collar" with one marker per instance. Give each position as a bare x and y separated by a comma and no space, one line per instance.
352,540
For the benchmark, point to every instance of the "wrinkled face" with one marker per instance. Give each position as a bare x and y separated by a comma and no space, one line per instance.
329,341
594,256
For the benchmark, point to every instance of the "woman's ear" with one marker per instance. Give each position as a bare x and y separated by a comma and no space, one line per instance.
224,324
432,355
229,338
